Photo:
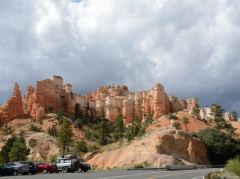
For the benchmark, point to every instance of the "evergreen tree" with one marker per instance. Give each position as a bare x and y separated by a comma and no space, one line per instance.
19,150
135,129
80,148
185,121
196,111
119,128
64,137
4,158
217,114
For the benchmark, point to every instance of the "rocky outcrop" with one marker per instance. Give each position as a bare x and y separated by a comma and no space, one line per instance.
52,95
205,113
2,117
42,146
14,106
155,150
159,101
229,117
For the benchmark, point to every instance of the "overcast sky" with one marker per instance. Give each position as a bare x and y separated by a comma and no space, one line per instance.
192,47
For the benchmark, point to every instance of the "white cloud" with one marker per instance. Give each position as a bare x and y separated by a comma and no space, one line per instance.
189,46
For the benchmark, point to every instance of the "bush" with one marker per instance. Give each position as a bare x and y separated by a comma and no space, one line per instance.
52,131
35,128
53,158
80,148
233,166
221,146
7,130
135,129
177,125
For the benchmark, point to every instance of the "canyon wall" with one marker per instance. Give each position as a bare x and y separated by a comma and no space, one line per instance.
52,95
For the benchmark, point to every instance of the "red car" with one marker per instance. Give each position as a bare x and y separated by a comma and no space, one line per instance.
47,168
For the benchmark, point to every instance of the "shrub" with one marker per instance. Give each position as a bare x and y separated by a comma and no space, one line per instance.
80,148
177,125
233,166
52,131
135,129
35,128
53,158
7,130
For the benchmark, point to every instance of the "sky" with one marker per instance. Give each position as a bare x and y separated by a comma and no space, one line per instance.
191,47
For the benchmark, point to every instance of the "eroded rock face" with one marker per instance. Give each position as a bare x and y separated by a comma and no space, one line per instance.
52,95
155,150
42,147
2,117
185,146
229,117
14,106
205,113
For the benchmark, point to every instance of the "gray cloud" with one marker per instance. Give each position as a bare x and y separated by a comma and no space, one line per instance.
191,47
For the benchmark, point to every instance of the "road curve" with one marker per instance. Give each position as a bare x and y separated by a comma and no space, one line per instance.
122,174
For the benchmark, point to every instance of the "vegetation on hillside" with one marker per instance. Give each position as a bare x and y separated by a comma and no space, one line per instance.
196,111
221,146
15,149
64,137
233,166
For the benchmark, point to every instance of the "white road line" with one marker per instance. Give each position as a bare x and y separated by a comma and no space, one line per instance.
199,177
123,176
139,174
173,174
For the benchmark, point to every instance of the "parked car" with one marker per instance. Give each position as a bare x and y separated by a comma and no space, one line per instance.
47,168
32,166
71,164
14,168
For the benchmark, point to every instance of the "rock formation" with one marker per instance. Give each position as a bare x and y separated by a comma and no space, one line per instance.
205,113
52,95
14,106
229,117
155,150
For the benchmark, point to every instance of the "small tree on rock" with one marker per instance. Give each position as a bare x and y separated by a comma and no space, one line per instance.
217,114
185,121
196,111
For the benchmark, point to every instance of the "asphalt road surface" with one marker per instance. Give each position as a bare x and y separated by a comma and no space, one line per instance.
122,174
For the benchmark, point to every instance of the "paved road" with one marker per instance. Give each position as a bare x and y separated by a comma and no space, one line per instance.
122,174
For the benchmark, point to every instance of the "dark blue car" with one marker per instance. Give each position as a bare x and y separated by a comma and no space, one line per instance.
14,168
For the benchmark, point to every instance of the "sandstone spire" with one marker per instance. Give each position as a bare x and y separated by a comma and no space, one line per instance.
14,105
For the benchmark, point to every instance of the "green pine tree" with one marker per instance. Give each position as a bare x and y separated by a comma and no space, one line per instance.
64,138
19,150
185,121
4,158
196,111
119,128
217,114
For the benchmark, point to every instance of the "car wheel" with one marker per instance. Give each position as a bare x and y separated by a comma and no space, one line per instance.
45,171
64,170
15,173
